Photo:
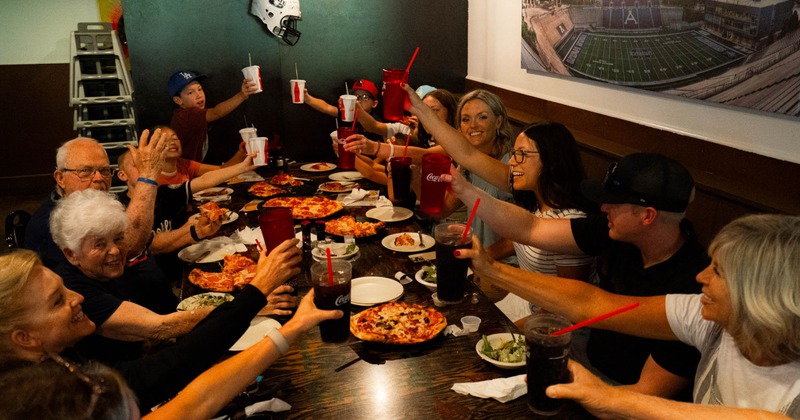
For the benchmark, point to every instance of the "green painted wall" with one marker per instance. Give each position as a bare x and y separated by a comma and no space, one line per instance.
341,40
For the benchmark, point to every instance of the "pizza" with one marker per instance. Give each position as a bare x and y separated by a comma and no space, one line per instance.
264,189
237,271
285,179
213,212
336,186
347,225
306,207
322,166
397,323
404,240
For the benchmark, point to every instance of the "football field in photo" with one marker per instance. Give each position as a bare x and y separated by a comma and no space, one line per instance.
644,60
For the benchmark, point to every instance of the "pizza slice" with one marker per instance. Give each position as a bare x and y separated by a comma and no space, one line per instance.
213,212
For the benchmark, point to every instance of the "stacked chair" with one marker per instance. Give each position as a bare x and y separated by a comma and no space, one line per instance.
101,93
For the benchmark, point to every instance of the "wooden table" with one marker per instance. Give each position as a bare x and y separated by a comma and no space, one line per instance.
361,380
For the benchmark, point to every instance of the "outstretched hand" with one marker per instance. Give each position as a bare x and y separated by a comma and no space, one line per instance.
458,184
416,102
280,265
280,301
308,315
481,261
587,389
249,87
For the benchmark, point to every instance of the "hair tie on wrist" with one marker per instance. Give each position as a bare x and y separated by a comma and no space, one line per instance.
147,181
279,340
193,232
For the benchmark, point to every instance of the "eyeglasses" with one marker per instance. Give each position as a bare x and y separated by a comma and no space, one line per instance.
364,97
89,171
96,387
520,154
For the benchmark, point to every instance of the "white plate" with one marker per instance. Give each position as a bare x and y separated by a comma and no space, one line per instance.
427,240
194,302
309,167
390,214
232,217
347,187
218,251
337,251
430,285
368,291
495,340
259,326
220,194
346,176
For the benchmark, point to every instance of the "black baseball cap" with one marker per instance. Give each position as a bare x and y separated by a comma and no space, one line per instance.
644,179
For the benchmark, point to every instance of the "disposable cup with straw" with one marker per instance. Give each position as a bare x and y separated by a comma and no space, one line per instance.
253,73
297,87
331,279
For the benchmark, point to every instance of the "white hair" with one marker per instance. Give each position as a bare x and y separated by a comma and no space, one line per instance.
84,213
63,151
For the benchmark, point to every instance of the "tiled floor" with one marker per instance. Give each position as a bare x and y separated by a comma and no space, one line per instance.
8,203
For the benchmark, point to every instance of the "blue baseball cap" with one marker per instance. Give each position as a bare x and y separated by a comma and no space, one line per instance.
181,79
424,90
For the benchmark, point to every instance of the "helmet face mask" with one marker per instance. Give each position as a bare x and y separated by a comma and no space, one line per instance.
280,16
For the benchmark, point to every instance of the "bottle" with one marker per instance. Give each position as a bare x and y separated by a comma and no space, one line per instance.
305,227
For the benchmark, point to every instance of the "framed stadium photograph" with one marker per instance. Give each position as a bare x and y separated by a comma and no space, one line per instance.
743,53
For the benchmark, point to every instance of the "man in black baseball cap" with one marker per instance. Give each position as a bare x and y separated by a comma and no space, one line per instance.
644,245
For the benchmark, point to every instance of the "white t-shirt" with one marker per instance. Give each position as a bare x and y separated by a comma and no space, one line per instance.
724,376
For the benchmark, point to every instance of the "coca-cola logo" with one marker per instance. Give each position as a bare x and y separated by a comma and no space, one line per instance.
343,299
433,178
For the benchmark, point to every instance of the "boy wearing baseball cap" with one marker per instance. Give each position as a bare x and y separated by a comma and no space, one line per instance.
190,120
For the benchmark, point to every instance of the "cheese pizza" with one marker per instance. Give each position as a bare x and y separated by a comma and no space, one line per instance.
404,240
264,189
397,323
347,225
307,207
237,271
285,179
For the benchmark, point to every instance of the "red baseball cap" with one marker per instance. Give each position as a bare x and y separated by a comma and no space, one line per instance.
364,84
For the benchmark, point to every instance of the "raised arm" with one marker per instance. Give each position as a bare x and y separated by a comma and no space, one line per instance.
574,299
148,156
320,105
490,169
210,391
227,106
131,322
514,222
608,402
218,176
175,239
358,143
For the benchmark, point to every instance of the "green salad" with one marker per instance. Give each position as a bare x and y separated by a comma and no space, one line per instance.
203,300
429,273
508,351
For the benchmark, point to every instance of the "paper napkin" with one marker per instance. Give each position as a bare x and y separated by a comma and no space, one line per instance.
276,405
501,389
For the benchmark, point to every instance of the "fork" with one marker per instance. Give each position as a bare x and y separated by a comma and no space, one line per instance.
421,242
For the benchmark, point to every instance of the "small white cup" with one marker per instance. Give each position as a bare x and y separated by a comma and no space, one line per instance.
297,90
259,145
254,73
348,107
248,133
470,323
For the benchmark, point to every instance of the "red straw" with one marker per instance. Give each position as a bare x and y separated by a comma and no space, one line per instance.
405,149
355,118
259,246
469,221
595,319
412,61
330,266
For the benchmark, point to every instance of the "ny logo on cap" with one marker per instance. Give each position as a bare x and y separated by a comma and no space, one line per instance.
186,75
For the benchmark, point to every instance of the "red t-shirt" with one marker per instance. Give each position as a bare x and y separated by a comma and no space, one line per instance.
191,127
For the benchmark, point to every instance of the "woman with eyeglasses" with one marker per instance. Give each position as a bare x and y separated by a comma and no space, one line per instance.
41,320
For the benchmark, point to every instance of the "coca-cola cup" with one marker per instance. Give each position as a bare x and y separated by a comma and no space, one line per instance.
431,184
258,145
333,294
399,179
277,225
253,73
546,360
297,89
347,160
394,97
248,133
347,107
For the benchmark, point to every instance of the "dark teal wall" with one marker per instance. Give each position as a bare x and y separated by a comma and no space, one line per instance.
341,40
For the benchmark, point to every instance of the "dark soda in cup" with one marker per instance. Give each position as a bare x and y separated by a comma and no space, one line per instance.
451,272
277,225
546,360
347,160
431,184
394,97
400,177
333,296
